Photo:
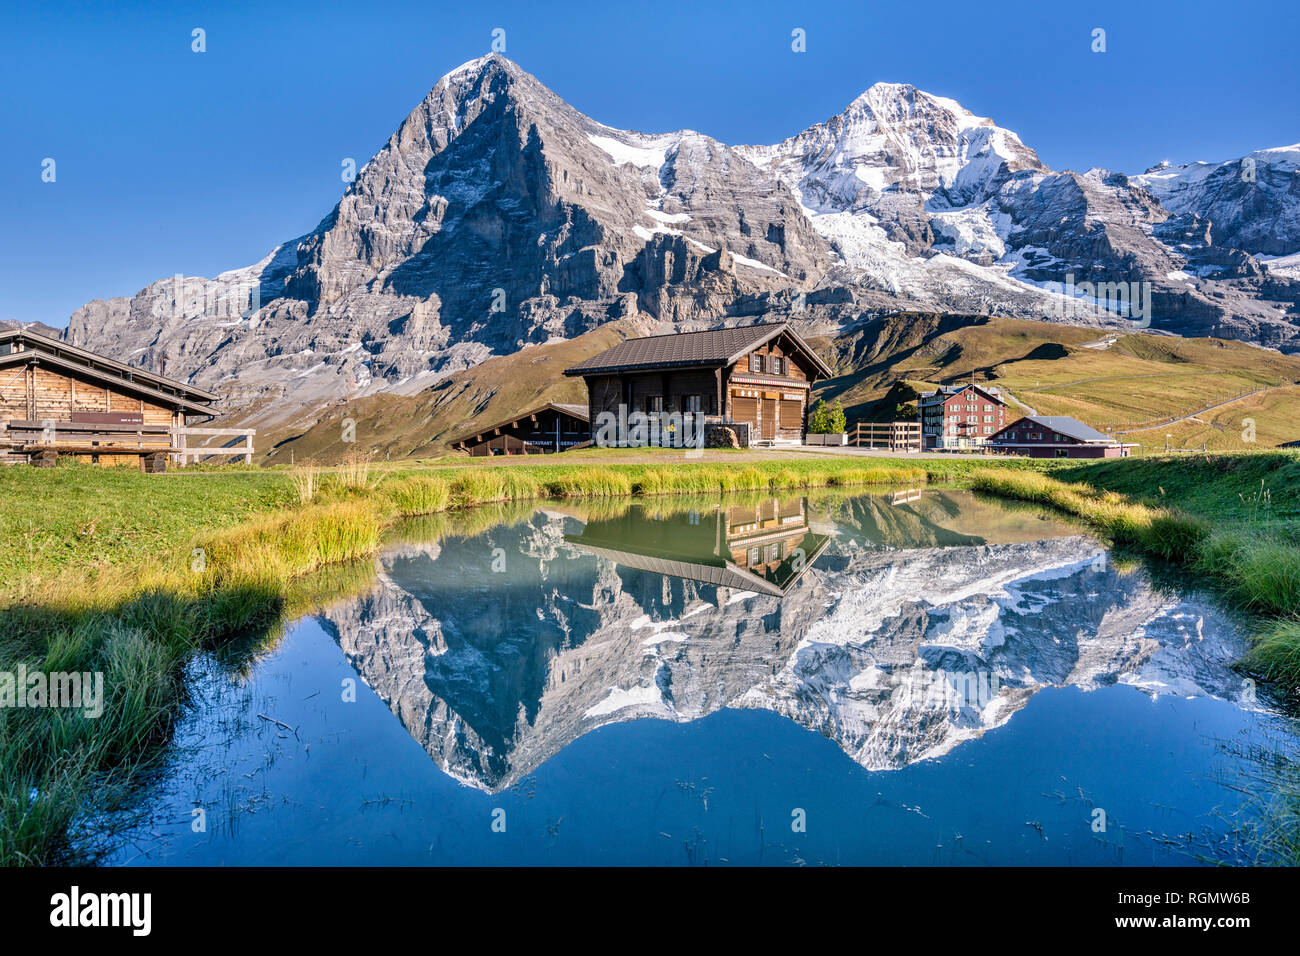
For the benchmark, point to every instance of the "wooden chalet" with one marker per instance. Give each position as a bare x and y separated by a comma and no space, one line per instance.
762,548
756,377
553,427
59,399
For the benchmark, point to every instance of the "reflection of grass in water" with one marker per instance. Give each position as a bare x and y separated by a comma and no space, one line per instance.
1265,830
57,764
428,529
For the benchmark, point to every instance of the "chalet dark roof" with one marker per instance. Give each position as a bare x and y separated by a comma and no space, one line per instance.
579,412
18,346
714,347
1063,424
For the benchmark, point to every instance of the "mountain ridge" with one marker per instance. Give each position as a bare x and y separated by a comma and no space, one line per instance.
497,217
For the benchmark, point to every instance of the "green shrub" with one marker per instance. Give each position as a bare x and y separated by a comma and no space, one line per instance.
826,419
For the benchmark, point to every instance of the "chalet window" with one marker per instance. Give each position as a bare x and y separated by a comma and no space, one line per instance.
1062,453
755,362
778,365
654,403
753,556
693,403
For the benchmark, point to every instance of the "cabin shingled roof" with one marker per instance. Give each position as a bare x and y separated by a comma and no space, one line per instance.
689,349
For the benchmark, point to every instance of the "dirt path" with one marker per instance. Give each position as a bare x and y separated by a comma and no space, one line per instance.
1199,411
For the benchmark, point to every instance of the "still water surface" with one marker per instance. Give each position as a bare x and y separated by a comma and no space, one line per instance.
915,678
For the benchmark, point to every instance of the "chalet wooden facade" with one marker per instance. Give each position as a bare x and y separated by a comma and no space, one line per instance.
757,378
550,428
1056,436
58,399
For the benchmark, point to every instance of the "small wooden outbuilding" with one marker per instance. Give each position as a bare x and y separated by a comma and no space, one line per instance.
1056,436
549,428
57,399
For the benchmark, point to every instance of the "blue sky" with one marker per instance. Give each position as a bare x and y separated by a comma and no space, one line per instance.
173,161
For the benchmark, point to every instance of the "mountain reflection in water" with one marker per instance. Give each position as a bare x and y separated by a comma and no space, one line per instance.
895,630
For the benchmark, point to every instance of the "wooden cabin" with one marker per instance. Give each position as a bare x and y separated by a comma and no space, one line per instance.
56,399
550,428
756,377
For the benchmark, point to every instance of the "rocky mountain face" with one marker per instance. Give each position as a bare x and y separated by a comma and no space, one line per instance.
1251,204
40,328
896,653
498,217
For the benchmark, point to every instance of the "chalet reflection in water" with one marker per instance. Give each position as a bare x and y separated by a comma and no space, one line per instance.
761,548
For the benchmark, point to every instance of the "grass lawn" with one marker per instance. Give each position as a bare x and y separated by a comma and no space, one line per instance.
56,519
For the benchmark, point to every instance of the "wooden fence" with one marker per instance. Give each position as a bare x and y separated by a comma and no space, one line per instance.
896,436
195,452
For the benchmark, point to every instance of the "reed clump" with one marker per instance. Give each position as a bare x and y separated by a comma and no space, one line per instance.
418,495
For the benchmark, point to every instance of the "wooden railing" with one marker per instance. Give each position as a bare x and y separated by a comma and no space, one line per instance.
85,438
74,437
896,436
199,451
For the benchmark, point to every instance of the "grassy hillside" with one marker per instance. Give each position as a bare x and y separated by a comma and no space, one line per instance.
1116,380
420,426
1110,380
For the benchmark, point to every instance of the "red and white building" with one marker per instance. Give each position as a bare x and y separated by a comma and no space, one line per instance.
1056,436
961,416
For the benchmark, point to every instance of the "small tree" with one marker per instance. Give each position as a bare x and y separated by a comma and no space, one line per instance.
826,419
839,423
